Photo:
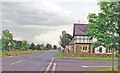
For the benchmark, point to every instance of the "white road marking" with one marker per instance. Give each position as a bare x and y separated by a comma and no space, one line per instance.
0,67
54,66
12,63
52,59
47,69
18,61
15,62
10,56
96,66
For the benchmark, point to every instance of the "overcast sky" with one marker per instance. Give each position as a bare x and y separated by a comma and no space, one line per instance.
42,21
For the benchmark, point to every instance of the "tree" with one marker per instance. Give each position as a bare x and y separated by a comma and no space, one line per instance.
18,44
7,35
106,25
38,47
54,47
25,45
6,38
32,46
42,46
65,39
48,46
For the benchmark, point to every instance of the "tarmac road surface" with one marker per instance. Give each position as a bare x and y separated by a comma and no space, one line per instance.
46,62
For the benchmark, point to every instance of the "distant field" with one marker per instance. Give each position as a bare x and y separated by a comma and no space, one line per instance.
17,52
61,55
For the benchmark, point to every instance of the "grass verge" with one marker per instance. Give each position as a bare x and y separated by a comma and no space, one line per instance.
61,55
109,69
18,52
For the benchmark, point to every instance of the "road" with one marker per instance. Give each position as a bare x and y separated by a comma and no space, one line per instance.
46,62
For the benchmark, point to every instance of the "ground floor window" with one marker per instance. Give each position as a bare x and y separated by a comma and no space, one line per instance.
84,48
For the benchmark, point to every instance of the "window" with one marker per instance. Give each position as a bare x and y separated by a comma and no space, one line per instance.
84,48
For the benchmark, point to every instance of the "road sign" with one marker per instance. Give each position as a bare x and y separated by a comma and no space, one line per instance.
9,44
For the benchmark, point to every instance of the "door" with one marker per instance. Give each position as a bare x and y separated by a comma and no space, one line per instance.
100,50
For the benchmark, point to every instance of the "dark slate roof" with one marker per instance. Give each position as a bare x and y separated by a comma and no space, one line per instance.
80,29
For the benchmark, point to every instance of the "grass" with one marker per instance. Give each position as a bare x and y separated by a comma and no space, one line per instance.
18,52
61,55
109,69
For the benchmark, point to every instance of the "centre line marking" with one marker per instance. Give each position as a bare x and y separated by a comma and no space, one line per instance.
18,61
54,66
52,59
15,62
96,66
47,69
12,63
10,56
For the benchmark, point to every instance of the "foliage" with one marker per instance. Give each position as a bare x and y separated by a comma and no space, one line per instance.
54,47
48,46
6,38
38,47
7,35
65,39
19,45
106,25
32,46
25,45
18,52
42,46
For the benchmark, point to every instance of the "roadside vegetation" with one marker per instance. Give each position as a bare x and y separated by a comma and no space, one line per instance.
20,47
61,55
18,52
65,39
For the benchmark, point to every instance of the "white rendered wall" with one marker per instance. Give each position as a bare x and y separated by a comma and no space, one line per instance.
97,49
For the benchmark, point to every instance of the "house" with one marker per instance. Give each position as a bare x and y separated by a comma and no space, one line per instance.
81,44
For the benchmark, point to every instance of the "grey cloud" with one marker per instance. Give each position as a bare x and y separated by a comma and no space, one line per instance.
28,14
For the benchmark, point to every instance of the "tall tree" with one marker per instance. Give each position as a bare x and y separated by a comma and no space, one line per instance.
65,39
25,45
48,46
38,47
6,38
32,46
106,25
7,35
18,44
42,46
54,47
